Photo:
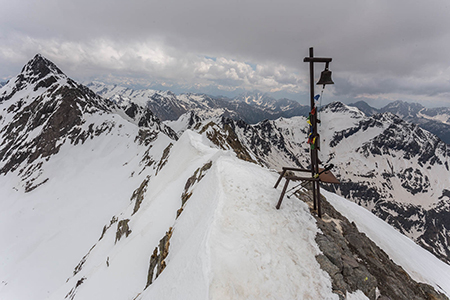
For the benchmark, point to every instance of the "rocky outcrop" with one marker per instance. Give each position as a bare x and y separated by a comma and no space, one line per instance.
157,260
354,262
224,136
122,229
138,195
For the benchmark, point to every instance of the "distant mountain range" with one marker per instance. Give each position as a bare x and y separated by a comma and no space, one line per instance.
249,107
435,120
254,107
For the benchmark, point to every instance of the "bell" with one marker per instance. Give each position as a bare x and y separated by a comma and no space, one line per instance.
325,77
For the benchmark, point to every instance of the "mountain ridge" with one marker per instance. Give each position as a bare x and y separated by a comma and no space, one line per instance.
435,120
250,107
113,202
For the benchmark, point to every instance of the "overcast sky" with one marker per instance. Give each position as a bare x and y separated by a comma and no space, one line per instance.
382,50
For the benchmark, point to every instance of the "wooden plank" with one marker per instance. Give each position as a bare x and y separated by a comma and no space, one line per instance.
296,169
328,177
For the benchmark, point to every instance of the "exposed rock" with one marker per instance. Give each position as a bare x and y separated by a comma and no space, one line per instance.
157,260
138,195
106,227
73,291
145,136
164,158
354,262
122,229
187,193
226,138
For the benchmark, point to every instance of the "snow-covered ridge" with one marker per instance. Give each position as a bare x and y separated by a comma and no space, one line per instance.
392,167
444,118
122,95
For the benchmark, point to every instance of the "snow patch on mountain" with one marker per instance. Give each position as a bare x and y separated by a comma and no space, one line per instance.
443,118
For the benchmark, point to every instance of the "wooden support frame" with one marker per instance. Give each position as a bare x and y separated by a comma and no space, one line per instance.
324,175
286,184
288,169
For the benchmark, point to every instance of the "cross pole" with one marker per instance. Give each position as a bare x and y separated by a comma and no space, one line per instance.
313,119
313,140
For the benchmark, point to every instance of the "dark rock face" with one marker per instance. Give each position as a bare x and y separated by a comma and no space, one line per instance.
122,229
363,126
354,262
51,112
410,139
39,72
144,117
157,260
266,140
224,136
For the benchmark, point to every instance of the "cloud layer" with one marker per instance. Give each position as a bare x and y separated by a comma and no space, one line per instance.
384,50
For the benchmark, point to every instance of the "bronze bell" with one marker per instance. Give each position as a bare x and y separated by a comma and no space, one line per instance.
325,77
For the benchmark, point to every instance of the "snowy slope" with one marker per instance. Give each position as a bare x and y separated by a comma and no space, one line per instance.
69,161
228,243
45,232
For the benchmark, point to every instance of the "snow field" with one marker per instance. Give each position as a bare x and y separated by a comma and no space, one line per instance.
258,252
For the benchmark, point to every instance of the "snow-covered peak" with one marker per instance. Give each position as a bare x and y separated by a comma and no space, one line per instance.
40,66
403,109
41,110
339,107
256,98
38,73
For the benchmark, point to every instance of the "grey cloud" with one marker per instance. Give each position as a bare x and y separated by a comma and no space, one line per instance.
378,47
